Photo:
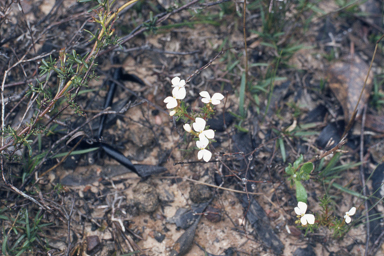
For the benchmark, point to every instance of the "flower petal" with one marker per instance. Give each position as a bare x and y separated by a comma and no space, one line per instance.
205,100
171,102
168,99
200,154
182,83
202,144
303,207
310,218
217,96
351,212
303,220
205,94
347,219
297,211
172,113
175,81
179,93
199,124
210,134
187,127
203,139
207,155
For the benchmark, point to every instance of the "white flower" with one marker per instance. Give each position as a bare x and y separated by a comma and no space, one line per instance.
172,113
348,214
171,102
308,218
179,93
215,100
300,210
187,127
199,126
203,153
176,82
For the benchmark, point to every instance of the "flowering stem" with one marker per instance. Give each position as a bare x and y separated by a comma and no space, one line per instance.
209,108
189,117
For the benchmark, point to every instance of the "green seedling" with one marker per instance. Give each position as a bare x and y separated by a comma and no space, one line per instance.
296,176
23,237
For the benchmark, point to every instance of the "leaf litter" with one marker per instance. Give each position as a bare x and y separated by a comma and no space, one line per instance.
113,208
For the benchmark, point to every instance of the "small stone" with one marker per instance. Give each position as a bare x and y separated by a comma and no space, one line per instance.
140,135
132,209
160,217
308,251
295,231
213,214
158,236
146,197
166,197
200,193
93,244
195,176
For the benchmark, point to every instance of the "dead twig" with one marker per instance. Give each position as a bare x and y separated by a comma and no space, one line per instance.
362,179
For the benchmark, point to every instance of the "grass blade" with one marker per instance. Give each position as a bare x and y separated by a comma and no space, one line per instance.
282,149
341,188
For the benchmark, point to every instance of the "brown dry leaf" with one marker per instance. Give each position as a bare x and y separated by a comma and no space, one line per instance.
375,123
346,79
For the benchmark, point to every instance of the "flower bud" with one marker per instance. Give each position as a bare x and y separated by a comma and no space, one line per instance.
187,127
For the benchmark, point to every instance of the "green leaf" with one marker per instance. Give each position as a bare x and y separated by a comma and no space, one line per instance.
21,252
305,133
85,64
27,225
89,32
242,95
76,152
17,242
301,194
233,65
307,168
78,61
298,162
233,114
45,63
241,129
268,45
289,169
282,149
259,65
29,148
303,176
4,245
349,191
331,164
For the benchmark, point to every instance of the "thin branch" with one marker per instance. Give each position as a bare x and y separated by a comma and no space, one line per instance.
362,178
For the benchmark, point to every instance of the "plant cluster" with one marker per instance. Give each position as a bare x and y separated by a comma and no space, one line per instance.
73,71
203,135
325,218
